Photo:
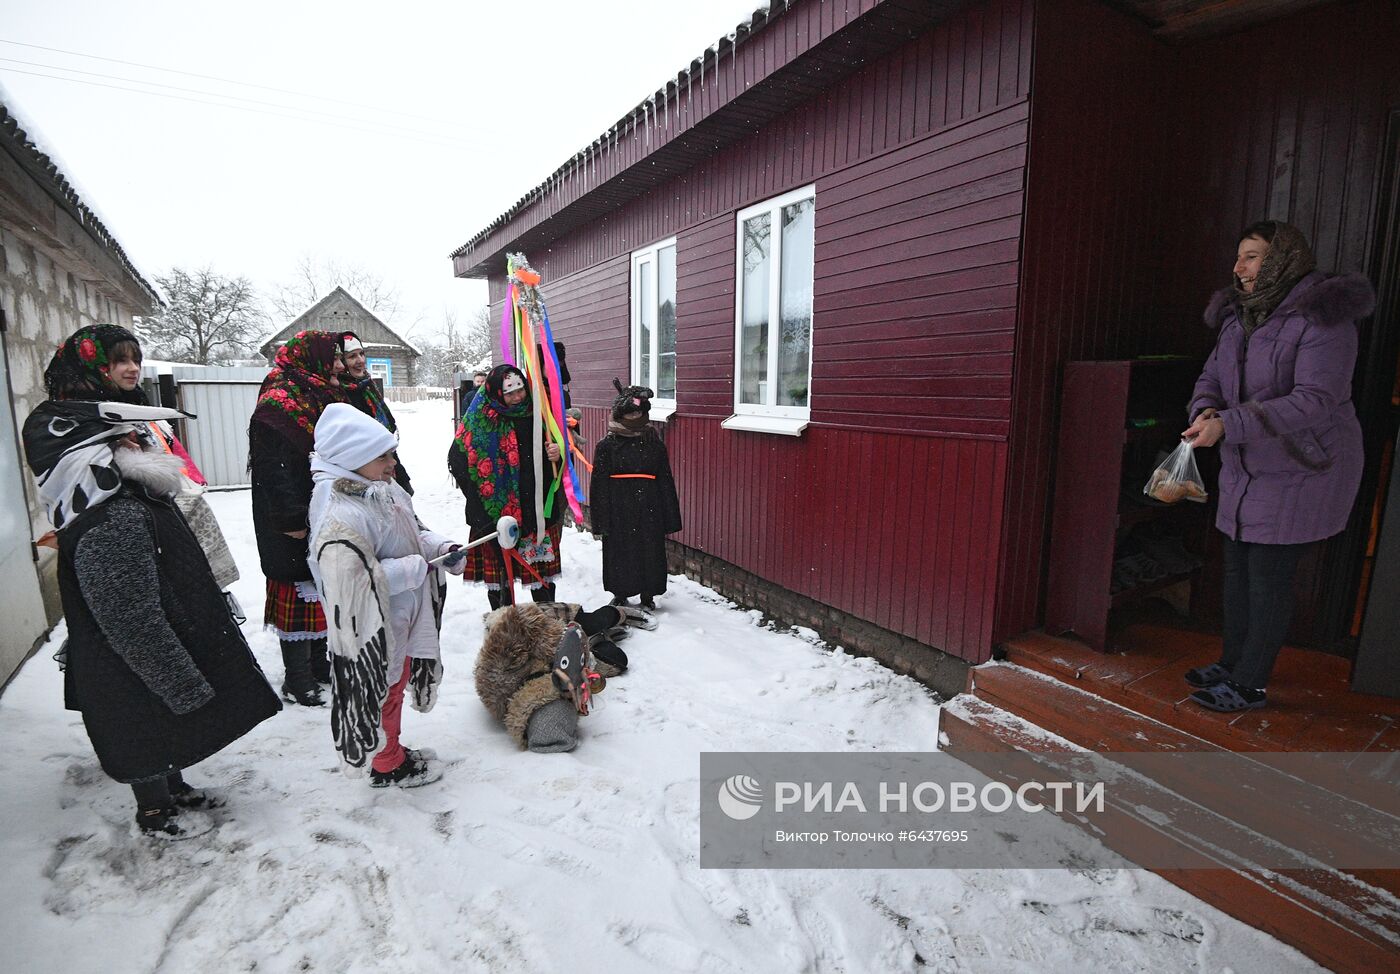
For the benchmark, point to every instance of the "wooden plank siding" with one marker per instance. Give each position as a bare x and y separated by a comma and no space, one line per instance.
889,505
1087,275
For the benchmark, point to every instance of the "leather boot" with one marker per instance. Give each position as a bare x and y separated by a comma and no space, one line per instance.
320,662
545,593
299,686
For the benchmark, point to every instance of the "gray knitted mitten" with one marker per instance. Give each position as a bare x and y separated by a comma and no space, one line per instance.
553,728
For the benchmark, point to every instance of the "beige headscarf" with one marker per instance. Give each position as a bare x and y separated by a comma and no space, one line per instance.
1288,261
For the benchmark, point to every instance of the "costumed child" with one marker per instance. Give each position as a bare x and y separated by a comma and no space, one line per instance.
633,500
540,665
157,665
369,556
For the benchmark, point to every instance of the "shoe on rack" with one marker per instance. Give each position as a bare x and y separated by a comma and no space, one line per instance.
412,773
171,824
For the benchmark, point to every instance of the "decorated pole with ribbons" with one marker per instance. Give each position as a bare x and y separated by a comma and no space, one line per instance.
525,332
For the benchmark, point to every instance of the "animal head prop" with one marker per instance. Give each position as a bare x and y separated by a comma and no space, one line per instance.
631,401
573,671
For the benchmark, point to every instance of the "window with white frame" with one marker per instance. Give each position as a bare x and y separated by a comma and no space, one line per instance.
773,314
654,324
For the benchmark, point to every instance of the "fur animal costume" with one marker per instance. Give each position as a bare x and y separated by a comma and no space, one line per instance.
514,670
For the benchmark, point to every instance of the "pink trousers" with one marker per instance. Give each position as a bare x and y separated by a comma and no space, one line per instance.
391,717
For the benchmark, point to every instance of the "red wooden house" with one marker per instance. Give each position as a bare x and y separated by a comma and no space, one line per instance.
854,246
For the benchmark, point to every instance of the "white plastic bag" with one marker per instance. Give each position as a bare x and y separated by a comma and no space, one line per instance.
1176,478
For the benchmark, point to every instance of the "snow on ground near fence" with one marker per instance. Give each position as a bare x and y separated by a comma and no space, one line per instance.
522,862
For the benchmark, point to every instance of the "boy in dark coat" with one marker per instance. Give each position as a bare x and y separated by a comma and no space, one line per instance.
157,665
633,500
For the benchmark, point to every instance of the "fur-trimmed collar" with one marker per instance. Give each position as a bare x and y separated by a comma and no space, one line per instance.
161,474
1326,299
378,490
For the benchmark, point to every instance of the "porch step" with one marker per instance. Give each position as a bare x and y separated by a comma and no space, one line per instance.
1339,920
1095,724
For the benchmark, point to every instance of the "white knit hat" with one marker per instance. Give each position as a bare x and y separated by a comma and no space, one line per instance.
349,438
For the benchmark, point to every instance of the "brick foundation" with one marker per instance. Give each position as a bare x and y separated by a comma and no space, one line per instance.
943,673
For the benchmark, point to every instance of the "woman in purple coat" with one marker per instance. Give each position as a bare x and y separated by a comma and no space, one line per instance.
1275,396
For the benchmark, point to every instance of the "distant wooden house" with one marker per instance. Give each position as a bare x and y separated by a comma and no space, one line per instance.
60,269
392,358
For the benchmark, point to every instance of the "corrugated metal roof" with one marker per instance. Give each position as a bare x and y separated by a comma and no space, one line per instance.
46,172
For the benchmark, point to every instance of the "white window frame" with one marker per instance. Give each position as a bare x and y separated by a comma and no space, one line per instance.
647,261
385,367
787,420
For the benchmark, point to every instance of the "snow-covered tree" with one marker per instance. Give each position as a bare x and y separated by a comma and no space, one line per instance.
209,318
457,345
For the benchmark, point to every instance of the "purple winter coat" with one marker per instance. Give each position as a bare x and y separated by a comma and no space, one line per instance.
1291,457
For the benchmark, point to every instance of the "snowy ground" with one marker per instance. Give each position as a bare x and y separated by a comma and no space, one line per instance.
522,862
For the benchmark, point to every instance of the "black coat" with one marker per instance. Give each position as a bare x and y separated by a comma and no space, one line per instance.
477,517
281,474
633,514
156,664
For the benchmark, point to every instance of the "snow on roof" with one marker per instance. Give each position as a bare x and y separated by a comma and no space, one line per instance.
645,110
37,154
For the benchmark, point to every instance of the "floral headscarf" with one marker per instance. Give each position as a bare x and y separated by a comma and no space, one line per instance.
79,367
365,395
487,436
299,387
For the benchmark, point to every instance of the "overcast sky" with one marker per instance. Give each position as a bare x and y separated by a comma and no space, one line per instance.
382,134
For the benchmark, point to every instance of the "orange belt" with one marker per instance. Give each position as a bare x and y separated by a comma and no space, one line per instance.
632,476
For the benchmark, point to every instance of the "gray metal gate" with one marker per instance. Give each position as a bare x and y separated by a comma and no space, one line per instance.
222,399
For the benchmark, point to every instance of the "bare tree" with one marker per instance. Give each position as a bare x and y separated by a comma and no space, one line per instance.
209,319
315,277
456,345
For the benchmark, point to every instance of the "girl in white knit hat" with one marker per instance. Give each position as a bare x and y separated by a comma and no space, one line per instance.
369,556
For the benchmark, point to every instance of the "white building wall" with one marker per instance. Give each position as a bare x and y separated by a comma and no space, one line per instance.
42,304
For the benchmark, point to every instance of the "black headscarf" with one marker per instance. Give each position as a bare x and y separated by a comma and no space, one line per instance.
78,369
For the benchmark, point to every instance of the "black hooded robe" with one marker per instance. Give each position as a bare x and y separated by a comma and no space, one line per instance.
633,513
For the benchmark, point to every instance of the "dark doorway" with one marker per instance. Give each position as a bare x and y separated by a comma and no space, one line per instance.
1340,585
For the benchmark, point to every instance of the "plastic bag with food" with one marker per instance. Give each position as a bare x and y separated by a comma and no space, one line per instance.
1177,478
